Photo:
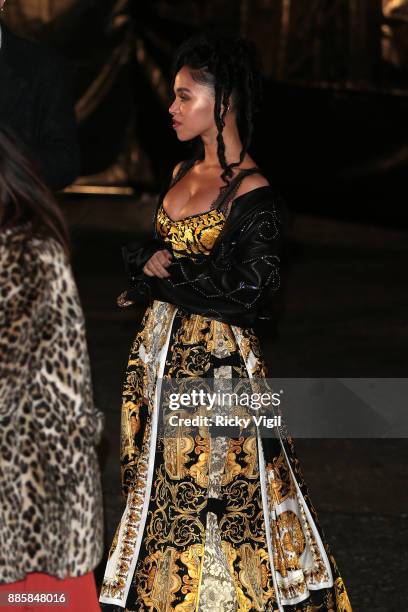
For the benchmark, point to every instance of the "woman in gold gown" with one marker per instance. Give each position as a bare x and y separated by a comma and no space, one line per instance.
212,523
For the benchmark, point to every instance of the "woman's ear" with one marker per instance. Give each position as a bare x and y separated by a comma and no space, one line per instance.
229,105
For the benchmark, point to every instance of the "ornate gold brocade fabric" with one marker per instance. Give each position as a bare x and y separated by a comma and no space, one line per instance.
191,236
266,551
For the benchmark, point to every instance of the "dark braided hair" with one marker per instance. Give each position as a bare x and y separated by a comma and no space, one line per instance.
232,67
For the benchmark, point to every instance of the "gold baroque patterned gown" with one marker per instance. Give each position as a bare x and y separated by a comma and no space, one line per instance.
173,550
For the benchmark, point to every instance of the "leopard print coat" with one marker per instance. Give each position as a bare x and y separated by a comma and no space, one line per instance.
50,493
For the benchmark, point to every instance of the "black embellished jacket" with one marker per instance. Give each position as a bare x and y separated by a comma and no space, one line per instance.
236,281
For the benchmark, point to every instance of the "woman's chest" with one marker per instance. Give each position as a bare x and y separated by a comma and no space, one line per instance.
192,195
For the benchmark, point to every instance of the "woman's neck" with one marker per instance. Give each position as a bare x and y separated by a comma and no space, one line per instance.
232,144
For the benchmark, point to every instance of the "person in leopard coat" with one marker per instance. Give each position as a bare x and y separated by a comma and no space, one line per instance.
50,493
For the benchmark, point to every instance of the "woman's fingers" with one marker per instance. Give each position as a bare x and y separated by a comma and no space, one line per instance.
156,265
164,257
155,269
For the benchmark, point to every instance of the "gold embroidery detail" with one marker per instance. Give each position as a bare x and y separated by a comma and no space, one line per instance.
193,329
232,468
244,603
192,235
292,538
253,574
251,458
191,558
175,455
163,580
199,471
130,426
342,600
280,482
245,347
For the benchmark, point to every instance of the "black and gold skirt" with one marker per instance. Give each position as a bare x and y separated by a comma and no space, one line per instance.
211,523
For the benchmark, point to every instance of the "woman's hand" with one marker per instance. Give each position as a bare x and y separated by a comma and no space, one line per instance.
157,264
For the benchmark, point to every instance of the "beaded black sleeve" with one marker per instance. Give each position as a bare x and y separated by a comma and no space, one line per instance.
233,286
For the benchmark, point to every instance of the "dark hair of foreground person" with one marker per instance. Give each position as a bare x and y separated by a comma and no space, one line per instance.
23,196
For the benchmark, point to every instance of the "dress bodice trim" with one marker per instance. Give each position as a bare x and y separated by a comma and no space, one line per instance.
184,219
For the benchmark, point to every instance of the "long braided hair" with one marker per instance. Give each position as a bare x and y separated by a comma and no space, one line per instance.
231,66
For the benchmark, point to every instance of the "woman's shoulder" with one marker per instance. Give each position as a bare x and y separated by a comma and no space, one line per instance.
257,194
251,182
48,252
53,265
48,263
33,268
21,243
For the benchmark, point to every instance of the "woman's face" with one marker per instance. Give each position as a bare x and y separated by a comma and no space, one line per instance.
193,107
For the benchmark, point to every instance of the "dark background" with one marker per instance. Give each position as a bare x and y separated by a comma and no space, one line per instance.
333,128
333,135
